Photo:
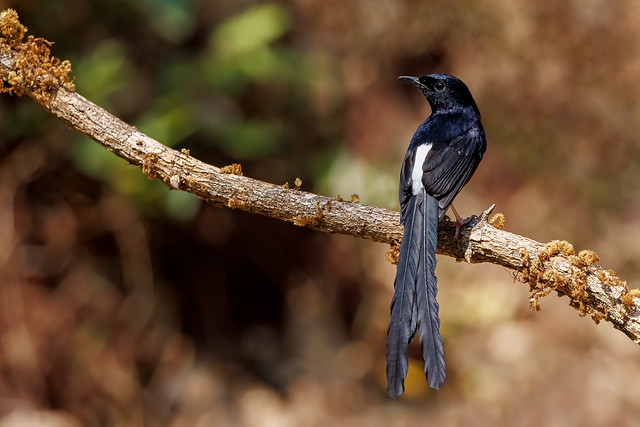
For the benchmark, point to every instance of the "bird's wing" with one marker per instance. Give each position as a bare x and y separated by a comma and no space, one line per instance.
405,182
449,165
457,145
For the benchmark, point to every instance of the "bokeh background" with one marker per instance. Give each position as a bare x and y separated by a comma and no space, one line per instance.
125,304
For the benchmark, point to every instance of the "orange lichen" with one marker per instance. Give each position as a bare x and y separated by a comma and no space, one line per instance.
579,284
585,258
588,257
392,254
309,220
232,169
497,221
525,257
556,247
628,298
149,161
543,277
543,280
11,30
297,183
27,67
236,203
354,198
313,220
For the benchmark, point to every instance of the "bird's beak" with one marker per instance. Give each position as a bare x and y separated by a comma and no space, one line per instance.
413,81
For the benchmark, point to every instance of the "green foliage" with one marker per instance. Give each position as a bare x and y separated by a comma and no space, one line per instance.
180,205
345,174
250,31
171,19
103,71
249,139
243,49
171,121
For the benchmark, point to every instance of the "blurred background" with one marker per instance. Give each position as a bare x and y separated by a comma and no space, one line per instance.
125,304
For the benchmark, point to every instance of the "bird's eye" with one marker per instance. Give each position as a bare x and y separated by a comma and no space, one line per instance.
439,86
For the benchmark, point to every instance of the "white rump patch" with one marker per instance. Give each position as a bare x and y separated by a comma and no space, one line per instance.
416,173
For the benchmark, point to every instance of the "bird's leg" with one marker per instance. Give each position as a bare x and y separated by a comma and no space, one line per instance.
459,222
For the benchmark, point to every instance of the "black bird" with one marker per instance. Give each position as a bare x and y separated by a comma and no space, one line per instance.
442,155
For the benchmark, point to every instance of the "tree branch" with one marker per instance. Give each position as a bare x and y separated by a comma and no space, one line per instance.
27,68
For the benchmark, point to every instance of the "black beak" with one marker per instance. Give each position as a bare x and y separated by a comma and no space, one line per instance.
413,81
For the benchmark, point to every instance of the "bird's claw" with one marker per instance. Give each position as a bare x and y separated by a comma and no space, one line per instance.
461,223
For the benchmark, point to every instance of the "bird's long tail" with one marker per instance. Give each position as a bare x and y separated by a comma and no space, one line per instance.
414,304
403,322
427,289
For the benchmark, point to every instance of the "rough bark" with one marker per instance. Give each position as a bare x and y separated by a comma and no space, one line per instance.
544,267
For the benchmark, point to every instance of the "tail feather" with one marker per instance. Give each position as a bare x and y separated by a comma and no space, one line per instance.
427,289
403,321
414,306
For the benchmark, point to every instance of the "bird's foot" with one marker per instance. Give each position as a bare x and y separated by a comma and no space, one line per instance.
460,222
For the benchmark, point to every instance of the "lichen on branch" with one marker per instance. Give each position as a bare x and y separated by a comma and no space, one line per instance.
29,68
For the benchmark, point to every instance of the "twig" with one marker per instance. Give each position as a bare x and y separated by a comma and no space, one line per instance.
26,68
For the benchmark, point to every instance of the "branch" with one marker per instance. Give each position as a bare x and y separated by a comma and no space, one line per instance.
26,68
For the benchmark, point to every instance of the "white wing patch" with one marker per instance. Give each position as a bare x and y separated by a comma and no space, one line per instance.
416,173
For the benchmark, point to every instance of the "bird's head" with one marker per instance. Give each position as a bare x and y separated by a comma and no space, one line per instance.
444,92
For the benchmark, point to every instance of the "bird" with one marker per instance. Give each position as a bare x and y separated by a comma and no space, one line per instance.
441,158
